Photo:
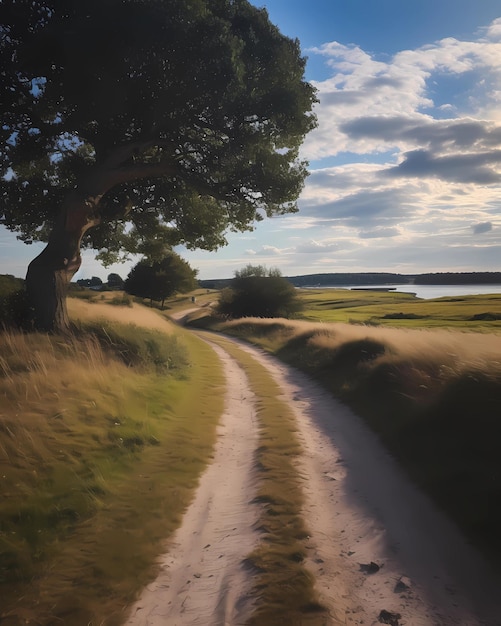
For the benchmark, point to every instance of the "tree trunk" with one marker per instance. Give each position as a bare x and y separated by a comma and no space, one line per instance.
50,273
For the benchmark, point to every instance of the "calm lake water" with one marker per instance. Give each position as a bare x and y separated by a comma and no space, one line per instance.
427,292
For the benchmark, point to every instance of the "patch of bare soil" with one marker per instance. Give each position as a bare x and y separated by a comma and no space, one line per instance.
203,579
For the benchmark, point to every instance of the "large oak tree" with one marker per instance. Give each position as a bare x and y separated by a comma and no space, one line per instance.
128,124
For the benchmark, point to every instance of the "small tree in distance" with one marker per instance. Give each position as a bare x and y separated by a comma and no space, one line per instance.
258,292
115,281
160,279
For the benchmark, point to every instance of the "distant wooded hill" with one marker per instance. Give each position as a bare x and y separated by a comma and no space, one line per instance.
378,278
459,278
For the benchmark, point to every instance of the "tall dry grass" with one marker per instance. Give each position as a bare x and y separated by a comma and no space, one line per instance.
464,348
432,396
129,313
98,459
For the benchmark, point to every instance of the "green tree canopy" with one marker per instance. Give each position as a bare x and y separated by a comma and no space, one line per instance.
258,292
131,122
158,280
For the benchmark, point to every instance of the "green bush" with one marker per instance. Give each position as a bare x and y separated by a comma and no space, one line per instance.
257,292
13,304
122,300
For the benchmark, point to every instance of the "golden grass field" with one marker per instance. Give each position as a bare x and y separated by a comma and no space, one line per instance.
102,438
99,454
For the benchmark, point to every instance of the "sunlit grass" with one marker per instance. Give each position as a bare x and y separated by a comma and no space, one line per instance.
403,310
86,311
98,460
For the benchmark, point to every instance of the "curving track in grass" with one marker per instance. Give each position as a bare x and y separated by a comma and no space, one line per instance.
377,548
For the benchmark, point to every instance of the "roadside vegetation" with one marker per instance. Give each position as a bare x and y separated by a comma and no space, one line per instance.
432,396
101,445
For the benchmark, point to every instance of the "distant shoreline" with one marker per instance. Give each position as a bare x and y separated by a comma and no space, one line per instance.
366,279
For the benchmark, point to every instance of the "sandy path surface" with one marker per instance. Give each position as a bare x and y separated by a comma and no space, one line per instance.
376,543
363,515
203,580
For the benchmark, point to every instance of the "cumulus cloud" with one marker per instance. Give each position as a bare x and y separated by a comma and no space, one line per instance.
439,135
364,206
479,168
369,105
418,139
493,31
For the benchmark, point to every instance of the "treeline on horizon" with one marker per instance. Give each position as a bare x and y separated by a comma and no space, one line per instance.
378,278
459,278
9,283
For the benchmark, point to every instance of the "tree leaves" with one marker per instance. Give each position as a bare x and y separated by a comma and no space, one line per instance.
159,279
192,109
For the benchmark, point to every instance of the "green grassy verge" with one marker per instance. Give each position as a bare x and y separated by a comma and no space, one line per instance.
98,460
401,310
283,587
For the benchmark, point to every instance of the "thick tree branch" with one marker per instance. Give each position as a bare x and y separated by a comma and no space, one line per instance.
125,152
101,178
138,171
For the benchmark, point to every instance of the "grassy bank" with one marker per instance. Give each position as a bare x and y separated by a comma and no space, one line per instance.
101,445
433,397
402,310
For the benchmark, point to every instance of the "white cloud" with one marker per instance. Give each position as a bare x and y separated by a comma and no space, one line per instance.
401,90
493,31
318,247
267,250
440,184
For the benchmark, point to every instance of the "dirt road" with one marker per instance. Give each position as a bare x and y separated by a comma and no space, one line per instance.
378,548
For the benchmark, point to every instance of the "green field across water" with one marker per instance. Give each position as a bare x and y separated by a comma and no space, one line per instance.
478,313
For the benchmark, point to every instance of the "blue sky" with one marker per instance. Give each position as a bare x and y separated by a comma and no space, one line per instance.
405,166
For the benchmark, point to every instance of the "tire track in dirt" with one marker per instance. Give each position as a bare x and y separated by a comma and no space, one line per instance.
203,580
